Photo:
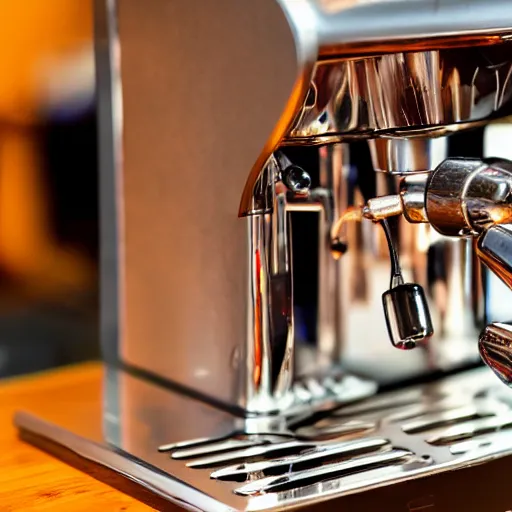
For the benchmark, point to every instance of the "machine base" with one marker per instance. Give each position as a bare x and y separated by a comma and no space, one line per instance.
391,452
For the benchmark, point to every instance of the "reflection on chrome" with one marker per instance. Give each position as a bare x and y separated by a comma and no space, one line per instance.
419,93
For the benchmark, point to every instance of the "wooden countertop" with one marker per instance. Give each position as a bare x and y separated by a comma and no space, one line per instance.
31,480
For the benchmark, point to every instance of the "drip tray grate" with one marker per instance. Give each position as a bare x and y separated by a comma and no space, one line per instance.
386,438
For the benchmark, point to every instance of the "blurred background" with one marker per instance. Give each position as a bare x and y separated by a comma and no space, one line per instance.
48,186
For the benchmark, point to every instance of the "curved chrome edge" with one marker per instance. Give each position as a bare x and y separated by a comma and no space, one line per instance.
302,24
420,132
344,24
163,486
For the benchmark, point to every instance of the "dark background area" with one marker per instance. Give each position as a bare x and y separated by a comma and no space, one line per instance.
41,329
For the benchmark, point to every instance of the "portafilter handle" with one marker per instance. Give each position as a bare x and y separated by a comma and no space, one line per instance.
495,346
474,197
494,248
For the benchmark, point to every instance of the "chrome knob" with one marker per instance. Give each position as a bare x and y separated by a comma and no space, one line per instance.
296,179
495,346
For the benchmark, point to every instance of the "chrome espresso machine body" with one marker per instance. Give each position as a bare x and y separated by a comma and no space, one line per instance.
223,390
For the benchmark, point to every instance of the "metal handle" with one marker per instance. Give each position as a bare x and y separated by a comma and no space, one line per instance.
495,346
474,197
494,248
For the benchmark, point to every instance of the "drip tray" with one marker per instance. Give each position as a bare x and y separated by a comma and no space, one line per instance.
199,457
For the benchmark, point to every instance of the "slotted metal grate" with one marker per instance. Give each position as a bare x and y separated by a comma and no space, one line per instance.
386,438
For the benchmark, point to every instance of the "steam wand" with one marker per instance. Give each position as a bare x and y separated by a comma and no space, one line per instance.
405,305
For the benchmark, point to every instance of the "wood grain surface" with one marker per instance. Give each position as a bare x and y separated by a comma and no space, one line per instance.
31,480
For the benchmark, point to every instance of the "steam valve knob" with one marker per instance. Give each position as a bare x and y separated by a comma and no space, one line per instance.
297,179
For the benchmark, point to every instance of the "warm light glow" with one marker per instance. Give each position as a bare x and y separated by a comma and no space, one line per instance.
354,213
258,338
35,33
32,32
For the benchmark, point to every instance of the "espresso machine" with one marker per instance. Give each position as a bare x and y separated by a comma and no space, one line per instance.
341,367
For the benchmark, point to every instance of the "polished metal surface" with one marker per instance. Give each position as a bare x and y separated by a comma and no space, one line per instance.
403,156
405,305
425,94
323,205
315,455
206,461
360,26
296,179
432,65
333,167
494,248
316,475
472,429
465,196
495,346
412,195
407,316
461,197
176,258
270,340
331,390
447,269
410,201
382,207
445,418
